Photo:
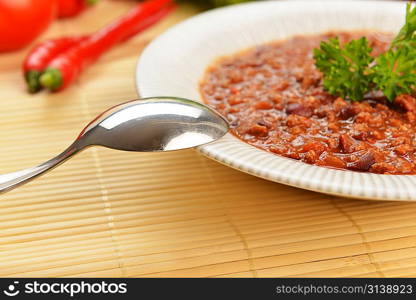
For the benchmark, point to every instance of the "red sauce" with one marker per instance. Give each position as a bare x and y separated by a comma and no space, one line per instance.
274,99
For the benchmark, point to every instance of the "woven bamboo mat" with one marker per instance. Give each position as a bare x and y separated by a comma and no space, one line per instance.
106,213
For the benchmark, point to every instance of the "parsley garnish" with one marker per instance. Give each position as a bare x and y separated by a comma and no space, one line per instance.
350,72
345,68
394,73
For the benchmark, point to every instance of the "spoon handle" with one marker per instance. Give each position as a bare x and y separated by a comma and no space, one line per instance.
12,180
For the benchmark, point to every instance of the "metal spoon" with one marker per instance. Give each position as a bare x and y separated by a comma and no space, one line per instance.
146,125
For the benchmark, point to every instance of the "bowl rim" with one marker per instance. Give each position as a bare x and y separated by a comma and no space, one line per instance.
273,167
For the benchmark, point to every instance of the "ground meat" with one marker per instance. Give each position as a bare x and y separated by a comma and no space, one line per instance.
407,102
299,109
274,98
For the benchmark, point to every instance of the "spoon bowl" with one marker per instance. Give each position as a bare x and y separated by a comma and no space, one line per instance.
155,124
144,125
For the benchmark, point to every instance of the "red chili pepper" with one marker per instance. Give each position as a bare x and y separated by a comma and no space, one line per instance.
64,68
41,55
70,8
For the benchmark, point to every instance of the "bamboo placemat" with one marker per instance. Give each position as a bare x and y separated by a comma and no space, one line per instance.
107,213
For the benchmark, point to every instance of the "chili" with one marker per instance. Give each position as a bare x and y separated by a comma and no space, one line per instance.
41,55
274,98
67,66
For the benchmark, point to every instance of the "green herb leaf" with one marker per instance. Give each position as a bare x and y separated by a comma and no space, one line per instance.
407,32
346,71
350,71
394,71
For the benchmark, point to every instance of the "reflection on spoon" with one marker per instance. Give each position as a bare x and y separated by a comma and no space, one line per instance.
188,140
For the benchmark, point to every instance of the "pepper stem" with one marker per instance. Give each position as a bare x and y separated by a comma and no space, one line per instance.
51,79
32,80
90,2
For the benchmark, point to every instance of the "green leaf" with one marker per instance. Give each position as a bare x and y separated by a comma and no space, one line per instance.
409,28
345,69
394,72
350,72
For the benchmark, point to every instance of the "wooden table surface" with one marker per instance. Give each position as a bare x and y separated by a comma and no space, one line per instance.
106,213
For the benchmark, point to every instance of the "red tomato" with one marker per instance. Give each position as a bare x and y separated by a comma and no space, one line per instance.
70,8
21,21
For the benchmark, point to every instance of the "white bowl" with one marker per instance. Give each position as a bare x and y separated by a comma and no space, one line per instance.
174,63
